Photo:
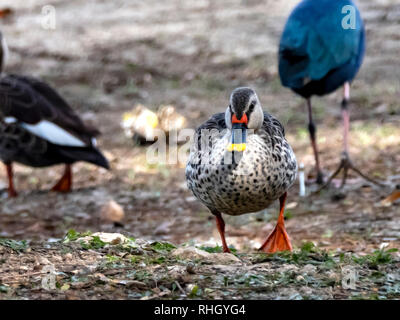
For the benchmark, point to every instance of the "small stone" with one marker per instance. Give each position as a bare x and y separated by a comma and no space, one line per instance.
299,278
192,253
65,287
190,268
131,283
43,261
308,269
111,238
112,212
68,256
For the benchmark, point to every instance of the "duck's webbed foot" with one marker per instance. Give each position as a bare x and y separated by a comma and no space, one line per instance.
65,183
278,240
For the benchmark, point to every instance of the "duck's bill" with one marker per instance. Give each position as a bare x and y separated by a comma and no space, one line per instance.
238,139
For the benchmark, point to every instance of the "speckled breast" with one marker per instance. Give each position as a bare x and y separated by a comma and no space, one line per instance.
256,178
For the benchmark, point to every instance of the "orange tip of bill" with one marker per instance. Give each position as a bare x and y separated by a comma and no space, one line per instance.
239,147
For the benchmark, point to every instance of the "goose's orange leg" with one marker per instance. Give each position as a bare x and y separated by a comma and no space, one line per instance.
278,240
65,183
11,190
221,230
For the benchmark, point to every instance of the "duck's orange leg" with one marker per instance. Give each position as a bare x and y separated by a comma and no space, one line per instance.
278,240
5,12
11,190
221,230
65,183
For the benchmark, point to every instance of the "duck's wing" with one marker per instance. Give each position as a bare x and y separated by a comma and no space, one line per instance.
272,131
273,134
315,42
210,129
42,111
217,121
273,125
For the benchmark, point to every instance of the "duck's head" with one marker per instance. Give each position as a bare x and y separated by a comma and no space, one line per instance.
3,52
244,112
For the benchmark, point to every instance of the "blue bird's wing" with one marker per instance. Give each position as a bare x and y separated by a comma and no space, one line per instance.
314,42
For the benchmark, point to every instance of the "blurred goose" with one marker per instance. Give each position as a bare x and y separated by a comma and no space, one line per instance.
38,128
240,162
321,49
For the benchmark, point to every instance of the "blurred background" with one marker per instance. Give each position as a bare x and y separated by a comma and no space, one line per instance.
105,57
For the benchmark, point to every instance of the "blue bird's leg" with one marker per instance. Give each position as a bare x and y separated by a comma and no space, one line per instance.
312,129
345,163
346,116
346,129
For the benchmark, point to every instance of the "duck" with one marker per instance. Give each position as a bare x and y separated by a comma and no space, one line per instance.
240,162
321,49
38,128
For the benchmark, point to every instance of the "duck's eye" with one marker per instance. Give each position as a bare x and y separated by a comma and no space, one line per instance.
251,107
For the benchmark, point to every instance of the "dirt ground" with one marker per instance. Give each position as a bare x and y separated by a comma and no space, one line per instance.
106,57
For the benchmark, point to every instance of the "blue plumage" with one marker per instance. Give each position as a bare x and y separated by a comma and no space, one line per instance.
316,53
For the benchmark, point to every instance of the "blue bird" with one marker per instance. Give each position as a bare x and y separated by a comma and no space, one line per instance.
321,49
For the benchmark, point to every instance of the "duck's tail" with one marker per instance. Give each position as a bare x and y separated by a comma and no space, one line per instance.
88,154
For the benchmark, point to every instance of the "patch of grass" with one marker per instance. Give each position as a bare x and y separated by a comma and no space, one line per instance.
288,214
216,249
377,274
308,247
94,243
140,275
251,280
378,257
196,291
73,235
3,288
284,278
135,259
162,246
14,244
112,259
158,260
308,254
372,296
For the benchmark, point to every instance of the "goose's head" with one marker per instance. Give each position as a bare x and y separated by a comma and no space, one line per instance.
3,52
244,112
